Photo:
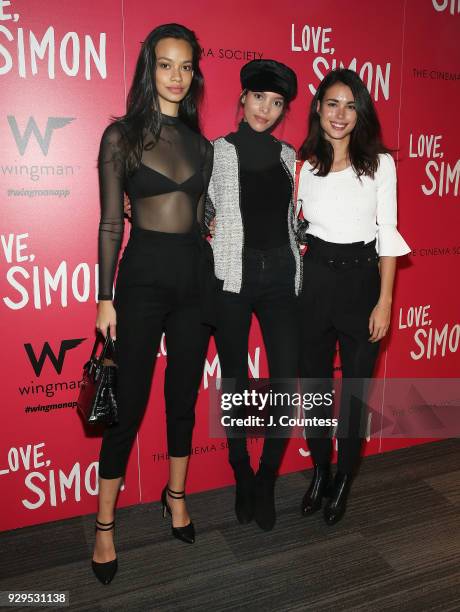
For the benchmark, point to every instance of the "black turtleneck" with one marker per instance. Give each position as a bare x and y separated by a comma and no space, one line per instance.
265,188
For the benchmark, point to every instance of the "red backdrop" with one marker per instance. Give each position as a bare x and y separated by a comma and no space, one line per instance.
63,73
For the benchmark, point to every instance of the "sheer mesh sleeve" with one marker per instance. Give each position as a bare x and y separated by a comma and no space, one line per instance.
209,209
206,170
111,178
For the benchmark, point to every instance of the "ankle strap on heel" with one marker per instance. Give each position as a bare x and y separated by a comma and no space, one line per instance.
104,526
175,494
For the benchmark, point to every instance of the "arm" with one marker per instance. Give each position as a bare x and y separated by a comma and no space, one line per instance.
210,212
111,174
390,245
205,210
379,321
301,224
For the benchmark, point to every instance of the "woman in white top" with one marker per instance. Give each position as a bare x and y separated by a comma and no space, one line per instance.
347,188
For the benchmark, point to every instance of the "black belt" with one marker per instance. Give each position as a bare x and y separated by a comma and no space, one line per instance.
344,263
342,256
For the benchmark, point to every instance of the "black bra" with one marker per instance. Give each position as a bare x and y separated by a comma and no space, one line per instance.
147,182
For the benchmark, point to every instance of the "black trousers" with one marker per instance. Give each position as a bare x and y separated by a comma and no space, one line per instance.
341,286
157,290
268,290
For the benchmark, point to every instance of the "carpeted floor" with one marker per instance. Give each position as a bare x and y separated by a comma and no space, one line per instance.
398,548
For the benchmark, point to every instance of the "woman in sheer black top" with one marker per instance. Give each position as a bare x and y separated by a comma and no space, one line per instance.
155,154
166,190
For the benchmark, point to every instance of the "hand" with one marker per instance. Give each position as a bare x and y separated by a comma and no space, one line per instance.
106,318
212,227
127,207
379,321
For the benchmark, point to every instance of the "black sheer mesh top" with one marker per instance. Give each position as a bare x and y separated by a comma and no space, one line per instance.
167,191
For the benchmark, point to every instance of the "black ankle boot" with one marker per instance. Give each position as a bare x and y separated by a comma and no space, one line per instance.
244,491
337,503
264,503
319,488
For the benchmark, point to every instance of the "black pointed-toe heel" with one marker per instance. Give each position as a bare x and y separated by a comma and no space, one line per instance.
105,572
185,534
337,503
319,488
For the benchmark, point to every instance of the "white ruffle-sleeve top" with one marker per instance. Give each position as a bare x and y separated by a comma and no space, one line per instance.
342,207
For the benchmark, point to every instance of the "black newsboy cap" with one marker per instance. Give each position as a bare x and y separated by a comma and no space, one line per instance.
269,75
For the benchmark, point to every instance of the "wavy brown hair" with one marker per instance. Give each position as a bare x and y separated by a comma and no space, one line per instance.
365,139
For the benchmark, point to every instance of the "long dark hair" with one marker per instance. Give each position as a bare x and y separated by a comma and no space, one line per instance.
142,105
365,139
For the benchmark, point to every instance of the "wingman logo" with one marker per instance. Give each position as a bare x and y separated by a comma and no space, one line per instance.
37,363
43,138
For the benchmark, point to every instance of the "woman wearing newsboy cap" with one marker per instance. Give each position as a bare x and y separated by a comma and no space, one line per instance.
257,264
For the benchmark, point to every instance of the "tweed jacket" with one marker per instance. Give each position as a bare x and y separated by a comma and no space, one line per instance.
223,202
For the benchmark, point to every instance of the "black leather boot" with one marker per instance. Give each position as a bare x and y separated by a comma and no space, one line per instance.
337,503
319,488
264,503
244,492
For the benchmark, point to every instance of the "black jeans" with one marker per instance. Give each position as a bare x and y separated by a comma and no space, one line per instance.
268,290
341,286
157,290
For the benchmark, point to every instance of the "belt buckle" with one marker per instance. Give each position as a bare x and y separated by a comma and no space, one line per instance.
342,263
334,263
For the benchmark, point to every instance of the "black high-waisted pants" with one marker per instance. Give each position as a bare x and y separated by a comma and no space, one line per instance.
268,290
157,290
341,286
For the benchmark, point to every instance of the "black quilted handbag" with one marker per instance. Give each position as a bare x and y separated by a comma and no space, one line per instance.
97,400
